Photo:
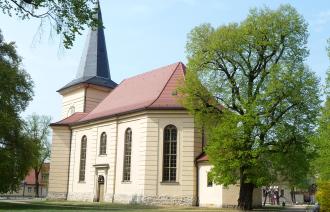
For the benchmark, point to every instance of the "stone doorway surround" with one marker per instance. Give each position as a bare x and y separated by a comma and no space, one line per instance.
100,182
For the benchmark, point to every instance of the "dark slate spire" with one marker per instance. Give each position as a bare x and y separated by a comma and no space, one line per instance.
94,65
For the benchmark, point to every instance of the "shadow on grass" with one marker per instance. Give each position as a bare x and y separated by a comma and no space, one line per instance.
68,206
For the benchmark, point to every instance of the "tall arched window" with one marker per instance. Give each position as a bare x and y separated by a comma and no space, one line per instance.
169,154
82,158
103,144
127,155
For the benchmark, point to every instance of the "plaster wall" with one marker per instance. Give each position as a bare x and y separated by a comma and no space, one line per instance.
59,163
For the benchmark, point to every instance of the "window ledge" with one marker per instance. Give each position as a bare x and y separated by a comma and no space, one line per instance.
169,183
102,155
126,182
82,182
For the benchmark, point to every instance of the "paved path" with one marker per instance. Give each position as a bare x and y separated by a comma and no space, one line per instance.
289,208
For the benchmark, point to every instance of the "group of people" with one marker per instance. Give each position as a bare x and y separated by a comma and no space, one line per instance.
273,195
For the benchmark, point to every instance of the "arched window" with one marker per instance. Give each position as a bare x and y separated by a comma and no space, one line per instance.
71,111
103,144
127,155
82,158
169,154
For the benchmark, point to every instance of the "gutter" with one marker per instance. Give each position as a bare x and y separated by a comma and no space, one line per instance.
77,123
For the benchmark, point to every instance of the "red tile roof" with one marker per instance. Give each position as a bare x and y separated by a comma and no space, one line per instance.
155,89
202,157
71,119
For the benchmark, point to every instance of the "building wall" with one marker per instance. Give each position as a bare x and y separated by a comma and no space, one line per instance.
76,99
94,96
124,191
218,195
183,192
145,185
27,191
59,163
208,196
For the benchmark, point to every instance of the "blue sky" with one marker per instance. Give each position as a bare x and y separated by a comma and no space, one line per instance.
142,35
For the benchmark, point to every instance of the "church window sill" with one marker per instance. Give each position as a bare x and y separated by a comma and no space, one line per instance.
169,183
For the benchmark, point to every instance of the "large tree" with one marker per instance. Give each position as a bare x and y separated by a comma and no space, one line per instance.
15,93
68,18
322,141
249,88
37,129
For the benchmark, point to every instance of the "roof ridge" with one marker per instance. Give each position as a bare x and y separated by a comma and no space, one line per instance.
153,70
160,93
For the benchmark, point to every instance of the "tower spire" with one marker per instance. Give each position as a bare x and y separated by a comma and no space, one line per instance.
94,65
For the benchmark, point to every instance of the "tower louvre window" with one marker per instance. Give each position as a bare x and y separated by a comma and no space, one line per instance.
82,158
127,155
170,154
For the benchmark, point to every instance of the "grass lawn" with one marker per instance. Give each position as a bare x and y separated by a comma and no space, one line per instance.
86,206
14,205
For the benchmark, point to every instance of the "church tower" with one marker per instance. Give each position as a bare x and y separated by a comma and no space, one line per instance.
93,81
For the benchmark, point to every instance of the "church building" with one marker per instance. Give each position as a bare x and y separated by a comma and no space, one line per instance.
130,142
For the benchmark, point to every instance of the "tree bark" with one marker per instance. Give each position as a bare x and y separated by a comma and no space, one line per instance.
293,195
36,182
245,193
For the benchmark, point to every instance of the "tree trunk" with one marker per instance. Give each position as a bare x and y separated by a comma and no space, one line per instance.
245,193
36,182
293,195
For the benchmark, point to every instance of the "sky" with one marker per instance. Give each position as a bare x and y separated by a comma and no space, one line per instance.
143,35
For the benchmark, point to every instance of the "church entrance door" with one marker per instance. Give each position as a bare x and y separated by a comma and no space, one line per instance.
100,193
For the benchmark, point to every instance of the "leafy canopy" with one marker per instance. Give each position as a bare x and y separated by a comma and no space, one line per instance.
248,86
15,93
322,141
36,127
68,18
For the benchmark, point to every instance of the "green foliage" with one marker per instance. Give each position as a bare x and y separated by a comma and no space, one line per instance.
323,195
36,128
68,18
322,142
15,93
247,84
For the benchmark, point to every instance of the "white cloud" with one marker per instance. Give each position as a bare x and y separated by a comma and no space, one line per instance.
322,20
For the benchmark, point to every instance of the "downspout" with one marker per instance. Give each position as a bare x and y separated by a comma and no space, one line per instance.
67,193
197,182
115,164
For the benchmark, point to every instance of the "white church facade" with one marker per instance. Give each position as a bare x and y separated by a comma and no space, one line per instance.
132,142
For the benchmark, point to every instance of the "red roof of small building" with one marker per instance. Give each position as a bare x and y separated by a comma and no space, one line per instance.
30,177
203,157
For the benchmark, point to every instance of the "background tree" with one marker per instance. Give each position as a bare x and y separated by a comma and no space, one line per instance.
68,18
247,84
322,141
15,94
37,129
